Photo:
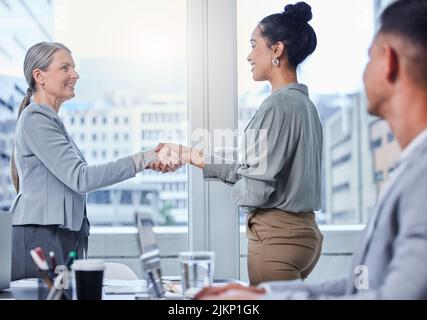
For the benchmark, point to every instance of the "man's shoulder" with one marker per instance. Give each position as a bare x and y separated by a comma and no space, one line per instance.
413,187
418,164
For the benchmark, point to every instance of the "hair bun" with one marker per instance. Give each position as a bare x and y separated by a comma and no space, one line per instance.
299,11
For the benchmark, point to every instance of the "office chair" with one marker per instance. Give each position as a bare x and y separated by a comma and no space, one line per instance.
119,271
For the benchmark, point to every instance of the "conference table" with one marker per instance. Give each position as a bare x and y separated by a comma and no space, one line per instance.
113,289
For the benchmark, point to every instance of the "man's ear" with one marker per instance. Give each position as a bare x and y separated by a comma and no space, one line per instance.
392,63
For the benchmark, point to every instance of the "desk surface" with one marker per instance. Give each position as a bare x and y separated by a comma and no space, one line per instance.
28,290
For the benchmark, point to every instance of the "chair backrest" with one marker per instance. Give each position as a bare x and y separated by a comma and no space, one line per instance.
119,271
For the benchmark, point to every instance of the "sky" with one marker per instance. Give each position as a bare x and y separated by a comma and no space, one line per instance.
134,45
141,44
344,31
146,30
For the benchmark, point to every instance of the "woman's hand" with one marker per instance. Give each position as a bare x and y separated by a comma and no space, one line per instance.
172,156
167,159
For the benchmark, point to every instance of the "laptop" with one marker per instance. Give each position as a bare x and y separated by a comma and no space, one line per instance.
149,256
150,260
5,249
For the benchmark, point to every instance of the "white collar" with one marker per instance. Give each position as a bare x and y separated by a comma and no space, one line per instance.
412,145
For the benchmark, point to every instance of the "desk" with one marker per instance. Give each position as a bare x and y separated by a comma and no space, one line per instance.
28,290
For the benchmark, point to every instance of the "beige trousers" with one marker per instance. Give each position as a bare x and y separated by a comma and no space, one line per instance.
281,245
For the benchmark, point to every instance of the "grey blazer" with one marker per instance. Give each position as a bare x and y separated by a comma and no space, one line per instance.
53,174
393,249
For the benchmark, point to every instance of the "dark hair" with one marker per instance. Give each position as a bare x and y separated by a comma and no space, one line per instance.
291,27
408,18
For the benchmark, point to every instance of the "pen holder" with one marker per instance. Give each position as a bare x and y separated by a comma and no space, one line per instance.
61,291
42,289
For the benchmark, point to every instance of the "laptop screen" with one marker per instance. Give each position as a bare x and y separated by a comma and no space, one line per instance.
149,255
147,242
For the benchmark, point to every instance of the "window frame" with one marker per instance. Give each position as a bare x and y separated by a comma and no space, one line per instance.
212,104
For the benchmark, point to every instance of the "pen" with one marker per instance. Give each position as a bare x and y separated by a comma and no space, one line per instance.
52,260
72,255
44,262
39,259
42,267
40,254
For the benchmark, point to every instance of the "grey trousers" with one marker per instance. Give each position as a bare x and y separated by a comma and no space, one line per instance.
49,238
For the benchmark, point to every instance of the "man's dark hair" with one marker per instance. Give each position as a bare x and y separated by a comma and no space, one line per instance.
408,19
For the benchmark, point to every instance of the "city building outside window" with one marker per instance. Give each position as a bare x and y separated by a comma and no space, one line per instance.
357,147
117,80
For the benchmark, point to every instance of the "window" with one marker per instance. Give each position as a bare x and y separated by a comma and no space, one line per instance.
351,138
341,160
99,197
138,88
181,204
379,176
341,188
147,197
139,84
377,143
126,197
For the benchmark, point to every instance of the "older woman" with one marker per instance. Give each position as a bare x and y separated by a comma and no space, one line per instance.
49,172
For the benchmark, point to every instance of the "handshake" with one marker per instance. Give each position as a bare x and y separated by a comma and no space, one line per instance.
170,157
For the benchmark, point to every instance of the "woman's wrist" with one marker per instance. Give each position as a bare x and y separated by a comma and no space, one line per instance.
197,158
142,159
